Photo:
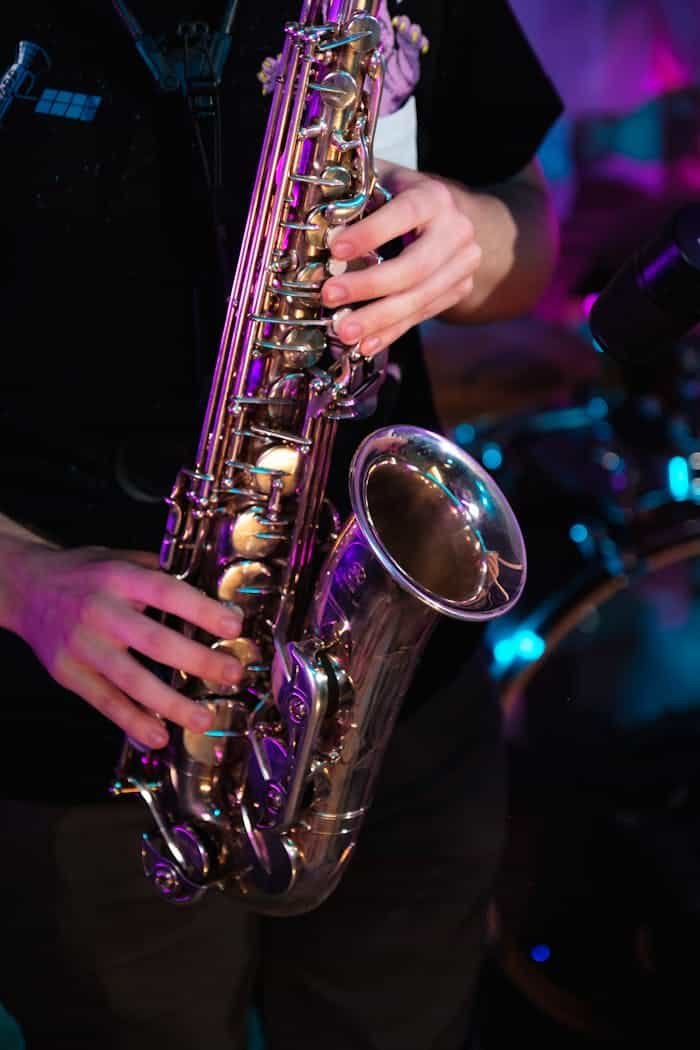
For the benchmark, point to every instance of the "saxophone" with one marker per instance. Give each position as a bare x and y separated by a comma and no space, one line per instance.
268,804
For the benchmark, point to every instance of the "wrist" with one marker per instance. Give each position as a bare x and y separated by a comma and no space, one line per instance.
17,547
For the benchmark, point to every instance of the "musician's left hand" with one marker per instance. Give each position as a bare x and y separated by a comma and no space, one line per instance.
434,271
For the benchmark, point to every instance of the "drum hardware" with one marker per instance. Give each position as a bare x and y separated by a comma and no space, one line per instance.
599,676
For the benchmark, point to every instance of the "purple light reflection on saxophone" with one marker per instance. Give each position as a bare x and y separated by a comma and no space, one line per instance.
335,10
255,376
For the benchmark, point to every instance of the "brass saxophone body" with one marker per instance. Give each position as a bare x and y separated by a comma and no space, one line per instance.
267,805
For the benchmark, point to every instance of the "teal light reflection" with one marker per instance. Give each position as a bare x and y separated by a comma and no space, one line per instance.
679,478
524,644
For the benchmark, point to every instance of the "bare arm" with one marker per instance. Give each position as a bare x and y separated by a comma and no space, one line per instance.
516,228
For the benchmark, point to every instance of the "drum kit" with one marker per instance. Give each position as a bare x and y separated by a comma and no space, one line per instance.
597,667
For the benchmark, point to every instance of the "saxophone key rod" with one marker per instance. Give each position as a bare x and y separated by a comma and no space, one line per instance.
276,401
292,322
233,358
257,431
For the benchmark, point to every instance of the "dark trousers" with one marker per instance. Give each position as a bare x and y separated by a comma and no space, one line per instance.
92,958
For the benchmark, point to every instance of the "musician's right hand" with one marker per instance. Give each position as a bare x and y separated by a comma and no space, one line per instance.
83,610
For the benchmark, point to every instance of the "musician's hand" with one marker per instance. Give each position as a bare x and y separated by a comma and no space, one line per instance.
82,610
433,272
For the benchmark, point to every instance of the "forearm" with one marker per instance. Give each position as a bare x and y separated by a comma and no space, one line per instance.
516,227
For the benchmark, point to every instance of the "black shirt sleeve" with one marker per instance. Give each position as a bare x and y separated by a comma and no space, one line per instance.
491,102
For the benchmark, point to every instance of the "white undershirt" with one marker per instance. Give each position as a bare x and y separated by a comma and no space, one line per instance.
396,136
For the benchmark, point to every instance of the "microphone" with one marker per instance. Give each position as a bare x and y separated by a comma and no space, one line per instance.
18,79
654,298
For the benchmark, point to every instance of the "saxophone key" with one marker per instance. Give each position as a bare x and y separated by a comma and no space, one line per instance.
299,348
334,181
248,654
338,90
245,582
291,291
248,535
292,387
279,462
257,430
230,723
302,348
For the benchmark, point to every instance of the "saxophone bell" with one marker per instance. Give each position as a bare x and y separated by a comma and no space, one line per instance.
438,523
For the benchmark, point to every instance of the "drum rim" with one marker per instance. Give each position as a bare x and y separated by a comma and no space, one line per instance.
554,618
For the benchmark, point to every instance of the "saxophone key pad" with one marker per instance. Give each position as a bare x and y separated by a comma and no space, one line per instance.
248,654
214,747
249,535
245,582
279,461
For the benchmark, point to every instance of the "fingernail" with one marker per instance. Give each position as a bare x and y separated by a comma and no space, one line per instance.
369,346
232,671
231,621
350,331
157,738
338,323
341,249
334,293
200,720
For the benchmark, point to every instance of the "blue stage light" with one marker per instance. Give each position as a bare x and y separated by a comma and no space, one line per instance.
540,953
504,651
492,457
597,408
579,533
529,645
464,433
522,645
678,477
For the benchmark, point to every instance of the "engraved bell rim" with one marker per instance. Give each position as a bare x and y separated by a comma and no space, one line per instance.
460,491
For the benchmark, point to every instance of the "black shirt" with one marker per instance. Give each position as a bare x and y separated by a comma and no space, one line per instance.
113,290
